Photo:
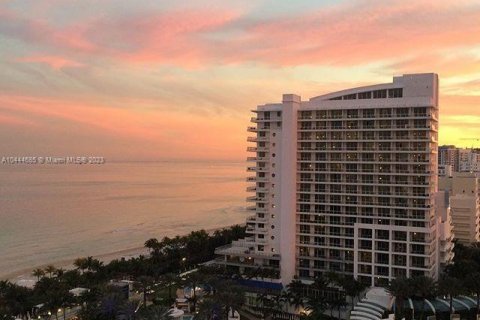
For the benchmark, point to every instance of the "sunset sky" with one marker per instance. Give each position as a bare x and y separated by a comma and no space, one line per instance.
152,80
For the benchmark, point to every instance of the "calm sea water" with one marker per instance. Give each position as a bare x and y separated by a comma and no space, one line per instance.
56,212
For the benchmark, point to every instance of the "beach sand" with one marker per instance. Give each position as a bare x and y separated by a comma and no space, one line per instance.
25,278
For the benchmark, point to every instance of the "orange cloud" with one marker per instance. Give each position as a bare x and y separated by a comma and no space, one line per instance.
130,132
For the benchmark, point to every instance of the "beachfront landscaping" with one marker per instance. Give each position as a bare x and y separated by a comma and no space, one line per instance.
169,257
177,281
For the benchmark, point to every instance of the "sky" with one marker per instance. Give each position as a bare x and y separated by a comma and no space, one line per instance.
168,80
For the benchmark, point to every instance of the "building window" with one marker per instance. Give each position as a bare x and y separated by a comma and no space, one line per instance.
379,94
365,95
395,93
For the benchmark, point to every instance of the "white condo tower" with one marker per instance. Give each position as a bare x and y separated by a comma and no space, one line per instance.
346,182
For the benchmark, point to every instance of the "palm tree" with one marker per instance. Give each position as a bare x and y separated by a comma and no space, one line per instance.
401,289
59,272
144,282
266,304
38,273
50,269
229,296
170,280
316,306
352,287
424,288
338,302
153,245
80,264
232,300
295,293
156,312
472,283
450,287
193,279
207,309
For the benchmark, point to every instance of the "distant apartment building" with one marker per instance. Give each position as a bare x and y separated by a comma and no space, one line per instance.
448,155
445,170
347,182
463,193
461,160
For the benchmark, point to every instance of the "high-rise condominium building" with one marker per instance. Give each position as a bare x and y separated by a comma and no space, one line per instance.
346,182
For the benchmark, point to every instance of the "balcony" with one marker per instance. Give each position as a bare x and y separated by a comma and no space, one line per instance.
252,129
251,149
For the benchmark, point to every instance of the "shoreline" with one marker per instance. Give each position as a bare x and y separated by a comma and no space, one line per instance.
26,273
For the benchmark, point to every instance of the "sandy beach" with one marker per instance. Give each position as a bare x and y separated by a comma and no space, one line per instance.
24,277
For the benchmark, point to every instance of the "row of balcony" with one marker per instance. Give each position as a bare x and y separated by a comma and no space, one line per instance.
394,205
353,138
367,116
359,149
360,193
256,139
409,183
306,128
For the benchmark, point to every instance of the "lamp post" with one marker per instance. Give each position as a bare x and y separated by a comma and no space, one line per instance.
184,259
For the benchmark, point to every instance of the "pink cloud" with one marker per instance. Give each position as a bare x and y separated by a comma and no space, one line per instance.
55,62
361,32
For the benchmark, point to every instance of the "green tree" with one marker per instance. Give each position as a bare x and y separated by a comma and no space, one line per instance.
153,245
424,288
295,291
401,289
352,287
229,296
472,284
144,283
450,287
50,269
38,273
315,306
170,279
207,308
156,312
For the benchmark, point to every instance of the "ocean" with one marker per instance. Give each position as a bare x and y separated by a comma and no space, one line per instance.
51,213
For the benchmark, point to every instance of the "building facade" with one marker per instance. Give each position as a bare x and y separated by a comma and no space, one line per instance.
463,192
346,182
448,156
461,160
